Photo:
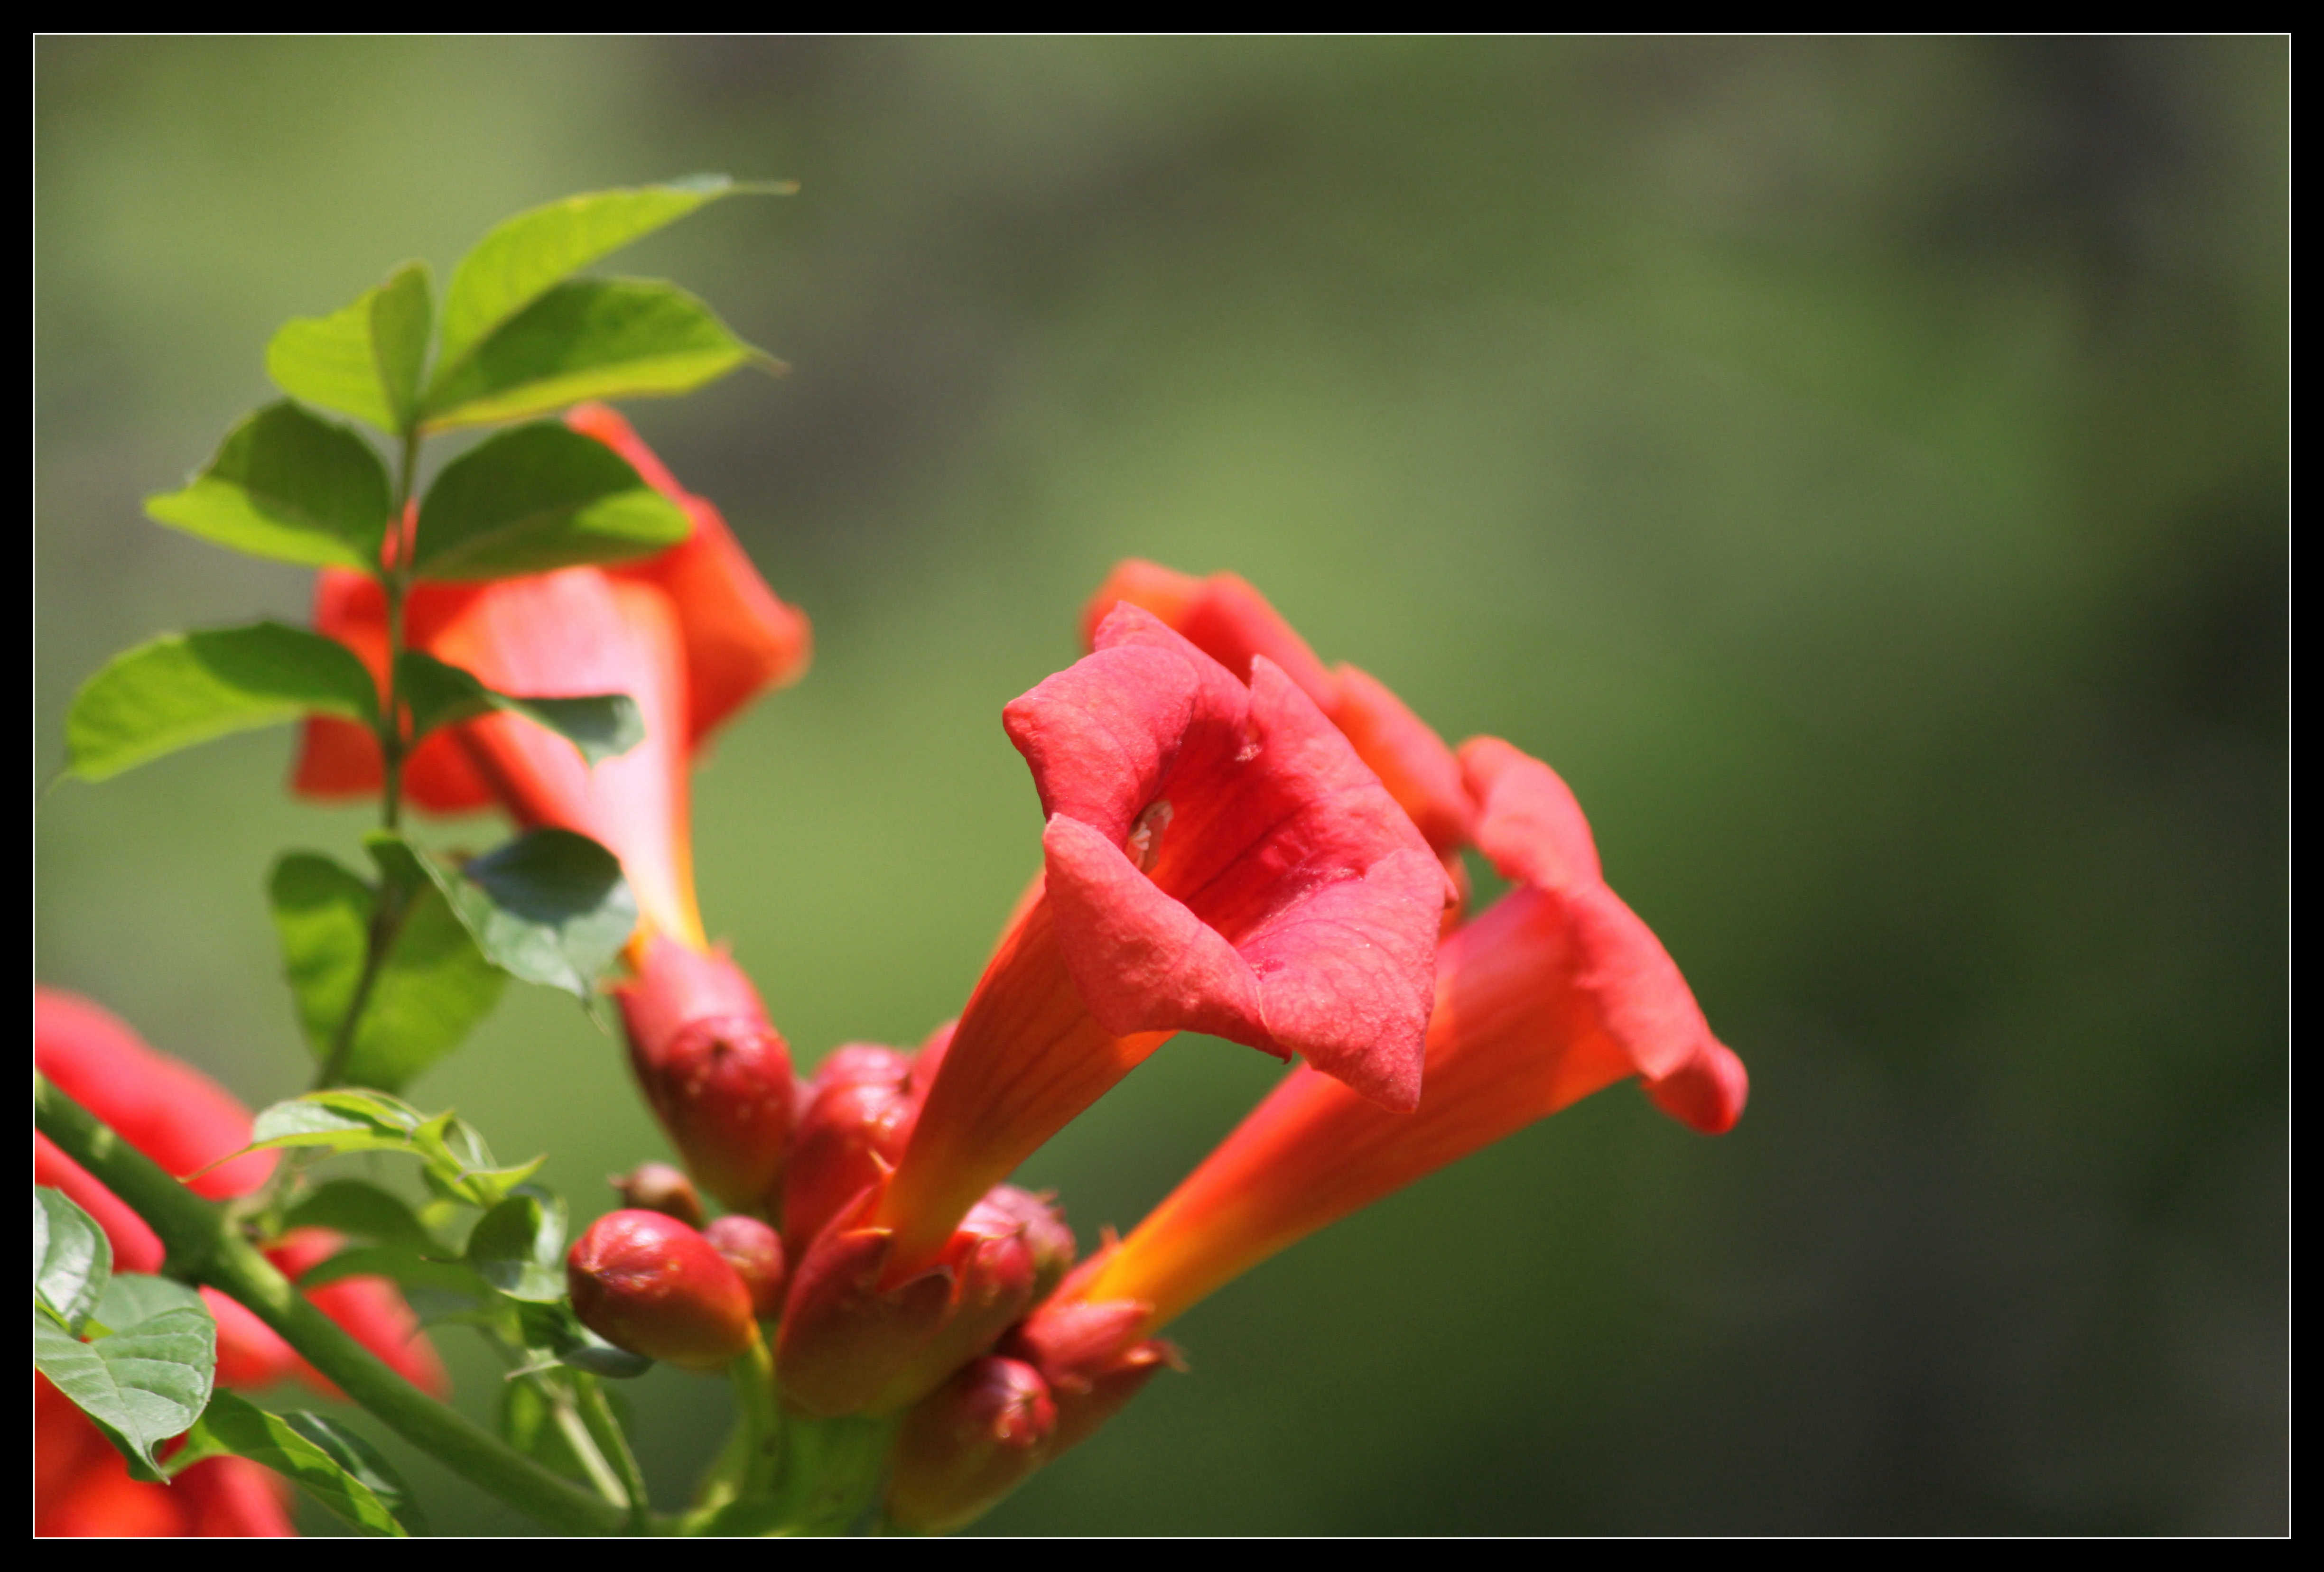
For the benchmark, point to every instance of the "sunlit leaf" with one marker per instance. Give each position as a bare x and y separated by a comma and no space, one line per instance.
320,1455
288,485
537,498
518,262
184,689
71,1258
364,361
143,1381
592,338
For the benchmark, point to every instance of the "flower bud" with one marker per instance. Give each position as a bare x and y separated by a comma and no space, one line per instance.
657,1186
650,1284
853,1343
969,1443
717,1074
1092,1360
996,1268
755,1252
853,1118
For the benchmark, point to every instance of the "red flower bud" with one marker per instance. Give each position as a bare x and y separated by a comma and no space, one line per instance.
755,1252
969,1443
650,1284
852,1122
1092,1359
716,1072
850,1345
657,1186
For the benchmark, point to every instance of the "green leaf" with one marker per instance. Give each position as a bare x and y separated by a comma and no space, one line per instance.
557,1334
286,486
184,689
432,989
133,1298
321,1457
519,1247
141,1385
537,498
364,361
591,338
549,906
71,1258
452,1154
350,1206
601,725
514,264
337,1121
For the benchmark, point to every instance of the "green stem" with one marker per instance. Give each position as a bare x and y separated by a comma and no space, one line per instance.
606,1430
203,1245
386,923
396,582
761,1416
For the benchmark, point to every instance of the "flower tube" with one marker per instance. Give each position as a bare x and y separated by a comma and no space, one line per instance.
691,635
1555,992
1215,859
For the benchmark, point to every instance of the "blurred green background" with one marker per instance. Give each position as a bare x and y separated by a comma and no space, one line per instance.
1859,467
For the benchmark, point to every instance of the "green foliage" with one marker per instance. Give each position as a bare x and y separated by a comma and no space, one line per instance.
146,1374
71,1258
592,338
549,906
350,1206
184,689
601,725
519,1247
365,361
320,1455
431,986
289,486
453,1156
519,260
537,498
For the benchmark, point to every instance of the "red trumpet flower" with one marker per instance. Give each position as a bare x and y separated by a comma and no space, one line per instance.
184,1121
1216,859
1558,991
691,635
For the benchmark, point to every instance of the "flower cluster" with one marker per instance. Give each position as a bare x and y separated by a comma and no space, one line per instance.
184,1121
1239,841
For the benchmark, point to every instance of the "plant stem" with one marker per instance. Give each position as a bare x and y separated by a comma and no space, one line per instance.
613,1445
203,1245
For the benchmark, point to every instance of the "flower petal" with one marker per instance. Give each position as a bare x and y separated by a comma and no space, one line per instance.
740,639
1528,825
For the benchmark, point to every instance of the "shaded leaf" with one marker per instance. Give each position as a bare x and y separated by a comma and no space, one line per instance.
352,1206
558,1335
363,361
601,725
71,1258
289,485
321,1457
591,338
431,990
519,1247
514,264
141,1384
537,498
453,1155
549,906
184,689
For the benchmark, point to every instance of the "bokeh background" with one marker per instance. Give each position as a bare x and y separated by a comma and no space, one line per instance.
1859,467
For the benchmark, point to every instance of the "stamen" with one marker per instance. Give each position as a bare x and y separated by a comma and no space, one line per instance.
1145,843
